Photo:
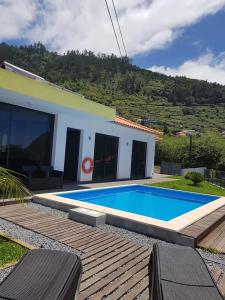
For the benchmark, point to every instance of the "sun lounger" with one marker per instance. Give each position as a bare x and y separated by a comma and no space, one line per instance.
179,273
43,275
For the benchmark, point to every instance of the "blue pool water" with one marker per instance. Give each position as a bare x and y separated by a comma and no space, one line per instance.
158,203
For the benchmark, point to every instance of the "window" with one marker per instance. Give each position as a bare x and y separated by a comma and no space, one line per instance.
25,137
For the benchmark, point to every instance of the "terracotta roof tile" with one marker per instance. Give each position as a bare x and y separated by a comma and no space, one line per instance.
122,121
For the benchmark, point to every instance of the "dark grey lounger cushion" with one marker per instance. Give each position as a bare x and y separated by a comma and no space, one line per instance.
45,275
180,273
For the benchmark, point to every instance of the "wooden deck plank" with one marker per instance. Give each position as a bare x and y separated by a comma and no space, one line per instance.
216,273
221,285
137,290
215,239
85,244
89,266
107,284
122,289
60,225
145,295
108,263
62,220
205,226
18,217
117,269
116,247
66,235
52,228
109,241
27,221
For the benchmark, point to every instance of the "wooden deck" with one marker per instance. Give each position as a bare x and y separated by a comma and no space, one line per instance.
113,267
209,232
215,239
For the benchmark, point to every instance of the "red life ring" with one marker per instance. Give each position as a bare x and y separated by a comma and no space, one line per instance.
88,165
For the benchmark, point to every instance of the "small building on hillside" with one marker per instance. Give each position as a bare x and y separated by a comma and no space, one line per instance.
223,133
185,132
44,124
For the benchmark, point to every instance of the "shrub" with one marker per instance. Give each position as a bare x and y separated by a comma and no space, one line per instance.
195,177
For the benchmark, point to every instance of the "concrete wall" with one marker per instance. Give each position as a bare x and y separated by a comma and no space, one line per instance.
171,168
89,125
198,170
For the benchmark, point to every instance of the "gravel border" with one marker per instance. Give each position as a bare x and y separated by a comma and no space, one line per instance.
41,241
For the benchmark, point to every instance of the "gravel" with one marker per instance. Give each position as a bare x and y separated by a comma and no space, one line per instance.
39,240
4,273
33,238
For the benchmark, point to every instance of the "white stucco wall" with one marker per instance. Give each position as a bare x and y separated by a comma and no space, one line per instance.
87,143
89,125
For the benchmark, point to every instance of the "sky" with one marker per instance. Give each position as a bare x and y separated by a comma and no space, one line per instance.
174,37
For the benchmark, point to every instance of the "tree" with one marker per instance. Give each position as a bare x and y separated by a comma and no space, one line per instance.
208,150
11,186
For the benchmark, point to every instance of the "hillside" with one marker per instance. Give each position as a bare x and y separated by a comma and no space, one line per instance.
168,102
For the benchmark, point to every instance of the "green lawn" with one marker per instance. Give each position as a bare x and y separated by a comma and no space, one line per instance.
186,185
10,252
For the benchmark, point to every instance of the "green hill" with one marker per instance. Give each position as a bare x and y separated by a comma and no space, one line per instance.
171,103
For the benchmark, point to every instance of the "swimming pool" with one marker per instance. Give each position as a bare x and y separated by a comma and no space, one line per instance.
153,202
158,212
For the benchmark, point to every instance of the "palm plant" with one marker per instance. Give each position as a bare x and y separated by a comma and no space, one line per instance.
11,186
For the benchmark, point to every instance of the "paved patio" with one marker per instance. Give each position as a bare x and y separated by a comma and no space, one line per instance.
74,186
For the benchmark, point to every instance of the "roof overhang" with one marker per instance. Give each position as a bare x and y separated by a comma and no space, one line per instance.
124,122
47,92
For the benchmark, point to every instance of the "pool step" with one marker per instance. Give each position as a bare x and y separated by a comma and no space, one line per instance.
199,229
215,239
87,216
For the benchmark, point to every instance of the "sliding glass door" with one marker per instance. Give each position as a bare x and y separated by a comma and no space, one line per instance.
4,134
138,163
25,137
105,157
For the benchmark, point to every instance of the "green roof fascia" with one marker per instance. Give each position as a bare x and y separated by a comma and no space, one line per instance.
49,92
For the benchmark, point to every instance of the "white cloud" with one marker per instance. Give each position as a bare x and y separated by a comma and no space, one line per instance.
207,67
15,18
73,24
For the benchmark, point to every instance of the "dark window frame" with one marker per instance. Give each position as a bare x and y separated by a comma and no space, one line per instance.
51,117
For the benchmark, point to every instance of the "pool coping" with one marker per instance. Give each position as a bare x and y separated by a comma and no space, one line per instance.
177,224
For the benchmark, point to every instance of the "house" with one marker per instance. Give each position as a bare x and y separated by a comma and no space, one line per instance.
223,133
44,124
185,132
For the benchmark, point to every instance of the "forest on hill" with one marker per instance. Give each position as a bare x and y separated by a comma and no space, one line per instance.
169,103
